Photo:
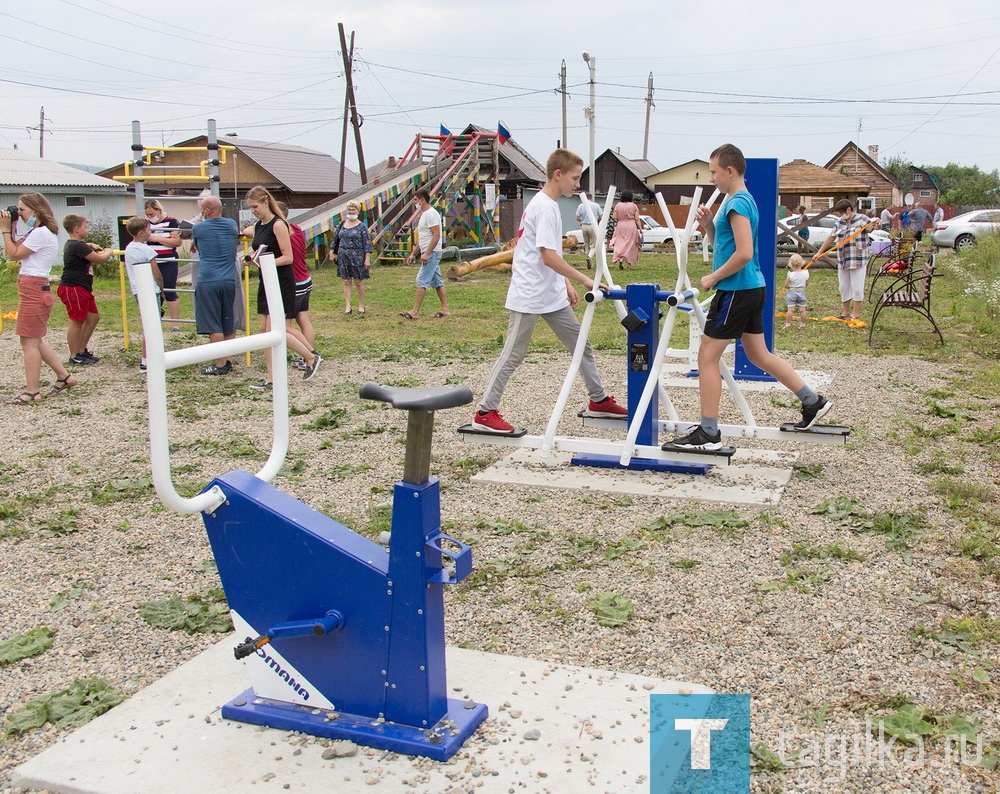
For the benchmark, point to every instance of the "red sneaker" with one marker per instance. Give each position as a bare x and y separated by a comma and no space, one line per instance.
606,407
491,422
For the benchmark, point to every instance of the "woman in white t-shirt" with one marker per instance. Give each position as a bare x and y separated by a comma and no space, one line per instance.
37,252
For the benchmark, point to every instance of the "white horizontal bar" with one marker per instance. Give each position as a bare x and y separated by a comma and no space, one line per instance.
227,348
729,431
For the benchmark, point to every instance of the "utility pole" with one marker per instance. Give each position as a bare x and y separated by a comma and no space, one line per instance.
343,138
649,107
355,119
41,133
562,88
590,113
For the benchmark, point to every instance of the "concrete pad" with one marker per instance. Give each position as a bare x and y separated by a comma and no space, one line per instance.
753,477
592,735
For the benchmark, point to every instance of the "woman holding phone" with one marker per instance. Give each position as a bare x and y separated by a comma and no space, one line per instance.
271,230
37,252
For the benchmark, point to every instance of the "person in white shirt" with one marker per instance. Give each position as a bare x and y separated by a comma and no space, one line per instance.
540,287
140,252
588,230
37,252
429,244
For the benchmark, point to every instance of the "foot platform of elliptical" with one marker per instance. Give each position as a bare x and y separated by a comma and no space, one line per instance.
472,430
816,430
722,452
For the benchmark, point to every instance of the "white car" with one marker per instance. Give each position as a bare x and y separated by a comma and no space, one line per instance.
962,231
653,233
820,230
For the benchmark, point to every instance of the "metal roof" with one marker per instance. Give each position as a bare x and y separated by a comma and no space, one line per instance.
20,169
643,169
299,169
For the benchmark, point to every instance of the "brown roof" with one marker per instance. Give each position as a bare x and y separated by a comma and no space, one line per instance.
804,178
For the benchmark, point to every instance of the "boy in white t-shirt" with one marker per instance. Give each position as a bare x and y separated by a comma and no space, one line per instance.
795,290
138,252
540,287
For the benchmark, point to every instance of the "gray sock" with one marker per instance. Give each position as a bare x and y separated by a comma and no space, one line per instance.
710,424
807,396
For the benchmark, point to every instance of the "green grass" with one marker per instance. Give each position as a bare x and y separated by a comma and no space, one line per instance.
478,324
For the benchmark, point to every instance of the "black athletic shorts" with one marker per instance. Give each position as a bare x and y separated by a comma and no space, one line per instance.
733,313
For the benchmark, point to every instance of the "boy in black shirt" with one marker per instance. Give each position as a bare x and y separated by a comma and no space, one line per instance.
76,288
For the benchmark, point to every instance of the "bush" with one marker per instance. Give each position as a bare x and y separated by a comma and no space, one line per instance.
979,271
102,233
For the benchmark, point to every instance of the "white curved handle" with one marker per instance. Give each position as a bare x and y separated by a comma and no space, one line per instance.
158,361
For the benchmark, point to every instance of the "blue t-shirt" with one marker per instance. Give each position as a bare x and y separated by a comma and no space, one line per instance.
748,277
216,240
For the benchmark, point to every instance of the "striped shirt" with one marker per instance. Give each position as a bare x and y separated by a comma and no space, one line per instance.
855,253
163,229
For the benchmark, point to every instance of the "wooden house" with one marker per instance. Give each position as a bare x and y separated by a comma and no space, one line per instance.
883,190
615,169
818,188
298,176
678,184
922,186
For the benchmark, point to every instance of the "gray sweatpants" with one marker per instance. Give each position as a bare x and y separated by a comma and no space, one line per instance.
520,329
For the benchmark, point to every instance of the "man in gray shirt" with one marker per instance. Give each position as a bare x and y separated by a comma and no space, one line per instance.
918,220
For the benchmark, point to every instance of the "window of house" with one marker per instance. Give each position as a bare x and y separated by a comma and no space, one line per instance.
918,178
76,201
925,193
866,204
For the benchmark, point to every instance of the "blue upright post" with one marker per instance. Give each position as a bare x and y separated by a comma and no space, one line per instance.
762,182
643,325
642,300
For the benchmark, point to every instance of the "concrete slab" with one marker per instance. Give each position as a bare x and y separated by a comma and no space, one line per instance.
753,477
552,728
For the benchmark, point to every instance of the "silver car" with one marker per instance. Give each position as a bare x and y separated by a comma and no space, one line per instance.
961,231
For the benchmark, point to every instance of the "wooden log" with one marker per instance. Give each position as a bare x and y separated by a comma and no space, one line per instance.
501,259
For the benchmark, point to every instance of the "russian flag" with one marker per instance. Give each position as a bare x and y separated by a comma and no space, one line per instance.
502,132
445,131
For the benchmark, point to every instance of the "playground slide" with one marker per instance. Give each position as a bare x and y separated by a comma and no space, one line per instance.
393,184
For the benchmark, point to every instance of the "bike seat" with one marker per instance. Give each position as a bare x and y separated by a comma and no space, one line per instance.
432,398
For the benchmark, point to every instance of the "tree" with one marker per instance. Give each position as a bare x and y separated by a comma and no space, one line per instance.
898,167
965,185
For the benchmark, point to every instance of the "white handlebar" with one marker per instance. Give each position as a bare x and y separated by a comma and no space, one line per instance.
158,361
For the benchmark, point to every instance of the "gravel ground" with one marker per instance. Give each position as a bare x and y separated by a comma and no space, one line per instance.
78,518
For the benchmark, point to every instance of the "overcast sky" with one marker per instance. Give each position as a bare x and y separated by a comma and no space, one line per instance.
785,80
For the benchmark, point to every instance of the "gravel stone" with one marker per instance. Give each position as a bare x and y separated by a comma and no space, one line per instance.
89,540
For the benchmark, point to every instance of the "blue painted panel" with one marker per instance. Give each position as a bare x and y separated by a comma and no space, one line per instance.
762,183
280,560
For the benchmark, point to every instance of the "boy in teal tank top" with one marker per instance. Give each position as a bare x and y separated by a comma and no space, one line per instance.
737,309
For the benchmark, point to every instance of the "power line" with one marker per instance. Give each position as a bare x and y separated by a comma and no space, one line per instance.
227,45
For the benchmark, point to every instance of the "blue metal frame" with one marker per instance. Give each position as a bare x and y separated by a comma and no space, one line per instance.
378,654
643,326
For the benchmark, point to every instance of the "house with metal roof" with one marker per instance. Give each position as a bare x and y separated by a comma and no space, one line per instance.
298,176
613,168
68,190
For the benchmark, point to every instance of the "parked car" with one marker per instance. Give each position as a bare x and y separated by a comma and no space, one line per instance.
819,230
653,233
961,231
